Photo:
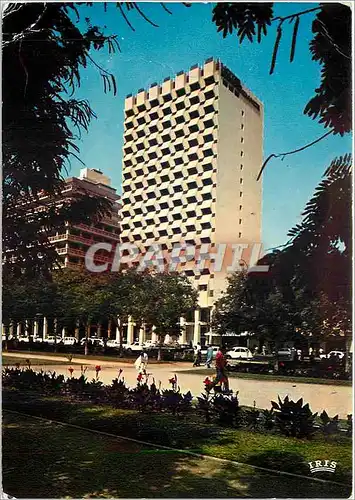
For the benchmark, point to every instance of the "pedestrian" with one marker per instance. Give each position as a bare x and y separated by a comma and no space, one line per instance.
199,354
141,363
256,350
195,356
221,369
209,356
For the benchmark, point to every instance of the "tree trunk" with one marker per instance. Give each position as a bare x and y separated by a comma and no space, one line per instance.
347,365
6,327
86,344
55,327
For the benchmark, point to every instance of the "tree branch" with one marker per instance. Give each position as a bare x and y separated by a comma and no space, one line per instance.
292,152
292,16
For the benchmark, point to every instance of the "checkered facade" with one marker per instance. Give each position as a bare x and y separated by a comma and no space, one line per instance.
170,161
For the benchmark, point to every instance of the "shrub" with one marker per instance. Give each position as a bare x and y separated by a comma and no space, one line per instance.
227,410
252,417
204,405
349,425
294,419
268,419
329,425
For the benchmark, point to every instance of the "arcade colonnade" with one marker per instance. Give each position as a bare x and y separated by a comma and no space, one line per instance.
193,330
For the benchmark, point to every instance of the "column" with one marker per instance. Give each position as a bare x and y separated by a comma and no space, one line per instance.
99,330
142,334
77,330
130,331
109,328
35,329
27,328
197,328
45,328
118,330
18,330
12,329
155,337
64,331
182,338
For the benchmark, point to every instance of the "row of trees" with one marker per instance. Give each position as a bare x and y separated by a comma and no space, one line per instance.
78,298
307,290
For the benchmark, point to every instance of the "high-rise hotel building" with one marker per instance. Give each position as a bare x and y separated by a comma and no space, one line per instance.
192,151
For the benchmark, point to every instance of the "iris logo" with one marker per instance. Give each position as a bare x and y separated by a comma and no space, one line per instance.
322,466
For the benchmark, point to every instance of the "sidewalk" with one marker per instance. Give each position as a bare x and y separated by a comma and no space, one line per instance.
92,361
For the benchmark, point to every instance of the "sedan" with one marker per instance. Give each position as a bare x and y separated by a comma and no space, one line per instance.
338,354
239,352
136,346
69,341
113,343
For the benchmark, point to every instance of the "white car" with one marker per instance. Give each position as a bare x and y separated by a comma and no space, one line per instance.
338,354
136,346
69,341
52,339
113,343
239,352
149,343
23,339
93,341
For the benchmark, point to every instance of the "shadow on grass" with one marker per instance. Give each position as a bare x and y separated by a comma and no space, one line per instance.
46,460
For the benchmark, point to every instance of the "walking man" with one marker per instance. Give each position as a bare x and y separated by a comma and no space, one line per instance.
141,363
209,356
221,369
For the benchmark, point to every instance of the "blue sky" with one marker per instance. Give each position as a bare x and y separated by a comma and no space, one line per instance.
186,38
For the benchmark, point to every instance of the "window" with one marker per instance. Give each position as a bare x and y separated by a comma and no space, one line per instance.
242,126
242,140
241,181
211,293
241,166
243,113
202,288
242,153
240,235
241,194
240,207
240,221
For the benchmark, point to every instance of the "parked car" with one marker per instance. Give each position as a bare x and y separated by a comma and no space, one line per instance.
287,352
51,339
239,352
113,343
338,354
69,341
93,341
136,346
23,338
38,339
148,344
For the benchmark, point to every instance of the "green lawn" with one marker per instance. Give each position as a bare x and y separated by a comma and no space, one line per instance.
276,378
47,460
266,450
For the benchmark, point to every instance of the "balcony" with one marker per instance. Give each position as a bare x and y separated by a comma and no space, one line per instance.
92,229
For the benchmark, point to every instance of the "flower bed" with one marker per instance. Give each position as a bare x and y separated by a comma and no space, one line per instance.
294,419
